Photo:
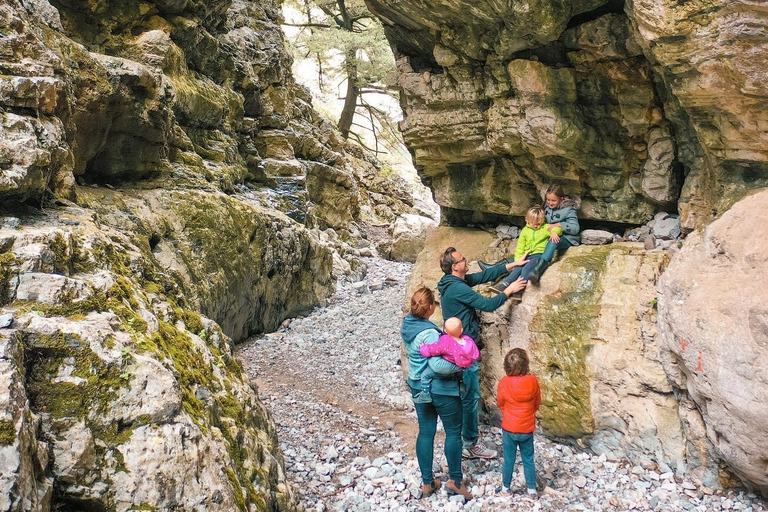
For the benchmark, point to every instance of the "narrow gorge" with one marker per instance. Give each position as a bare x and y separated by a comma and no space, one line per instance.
167,190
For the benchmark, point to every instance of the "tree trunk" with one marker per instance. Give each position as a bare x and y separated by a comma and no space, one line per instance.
350,100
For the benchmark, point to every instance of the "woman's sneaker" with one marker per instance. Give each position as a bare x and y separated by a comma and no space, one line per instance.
479,451
503,490
532,493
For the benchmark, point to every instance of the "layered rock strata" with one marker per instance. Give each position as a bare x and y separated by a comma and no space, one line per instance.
634,107
116,394
176,169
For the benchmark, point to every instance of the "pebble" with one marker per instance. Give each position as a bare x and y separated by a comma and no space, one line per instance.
6,320
339,404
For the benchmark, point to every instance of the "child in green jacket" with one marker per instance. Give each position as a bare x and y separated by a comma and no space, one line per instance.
533,240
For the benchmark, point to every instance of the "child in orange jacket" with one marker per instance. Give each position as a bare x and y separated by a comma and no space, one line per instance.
518,397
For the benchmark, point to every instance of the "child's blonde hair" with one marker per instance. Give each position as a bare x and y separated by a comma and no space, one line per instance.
516,362
534,215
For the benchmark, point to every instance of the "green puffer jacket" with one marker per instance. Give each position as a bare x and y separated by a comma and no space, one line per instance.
533,241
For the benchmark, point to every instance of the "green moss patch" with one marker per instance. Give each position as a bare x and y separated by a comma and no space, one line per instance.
7,433
561,338
8,269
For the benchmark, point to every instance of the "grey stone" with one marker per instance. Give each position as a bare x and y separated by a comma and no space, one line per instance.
6,320
667,229
596,237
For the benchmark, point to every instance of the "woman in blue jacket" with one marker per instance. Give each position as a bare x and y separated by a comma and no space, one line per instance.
416,331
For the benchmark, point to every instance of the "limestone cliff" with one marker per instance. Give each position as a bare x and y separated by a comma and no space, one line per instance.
636,107
164,187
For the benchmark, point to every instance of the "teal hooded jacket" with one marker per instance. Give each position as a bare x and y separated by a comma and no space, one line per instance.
458,299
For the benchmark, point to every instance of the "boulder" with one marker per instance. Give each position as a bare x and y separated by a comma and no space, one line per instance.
592,343
408,237
596,237
667,228
713,336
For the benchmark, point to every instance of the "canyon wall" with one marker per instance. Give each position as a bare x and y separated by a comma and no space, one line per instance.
636,107
166,188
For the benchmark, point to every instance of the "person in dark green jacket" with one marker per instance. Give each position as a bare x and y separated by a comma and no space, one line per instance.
459,300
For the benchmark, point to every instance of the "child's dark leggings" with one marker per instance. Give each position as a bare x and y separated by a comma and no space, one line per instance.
511,442
522,271
549,251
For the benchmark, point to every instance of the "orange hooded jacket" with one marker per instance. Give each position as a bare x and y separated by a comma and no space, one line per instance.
518,398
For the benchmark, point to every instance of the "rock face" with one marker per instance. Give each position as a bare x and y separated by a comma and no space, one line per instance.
181,171
715,355
409,235
593,345
633,107
116,394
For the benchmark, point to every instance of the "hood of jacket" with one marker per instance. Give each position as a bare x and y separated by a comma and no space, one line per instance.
446,281
571,202
412,326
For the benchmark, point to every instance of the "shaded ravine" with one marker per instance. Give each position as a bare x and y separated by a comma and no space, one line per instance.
347,428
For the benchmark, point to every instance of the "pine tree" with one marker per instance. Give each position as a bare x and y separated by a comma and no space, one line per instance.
348,42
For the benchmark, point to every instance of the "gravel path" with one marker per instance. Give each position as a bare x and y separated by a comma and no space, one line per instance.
347,427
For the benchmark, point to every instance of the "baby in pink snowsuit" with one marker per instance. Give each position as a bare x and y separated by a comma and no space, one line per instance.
455,348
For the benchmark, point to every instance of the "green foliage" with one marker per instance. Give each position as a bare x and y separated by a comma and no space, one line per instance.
347,43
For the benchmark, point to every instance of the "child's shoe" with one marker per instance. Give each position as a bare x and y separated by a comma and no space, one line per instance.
516,297
532,493
423,397
537,270
503,490
499,287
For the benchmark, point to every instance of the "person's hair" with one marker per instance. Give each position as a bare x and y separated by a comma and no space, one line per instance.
516,362
534,214
421,301
556,190
453,324
447,261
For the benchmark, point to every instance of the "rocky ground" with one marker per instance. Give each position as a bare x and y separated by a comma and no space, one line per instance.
347,427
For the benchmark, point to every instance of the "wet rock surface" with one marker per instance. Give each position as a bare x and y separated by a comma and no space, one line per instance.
347,427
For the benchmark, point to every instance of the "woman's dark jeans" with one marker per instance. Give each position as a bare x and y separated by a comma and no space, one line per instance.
448,408
510,442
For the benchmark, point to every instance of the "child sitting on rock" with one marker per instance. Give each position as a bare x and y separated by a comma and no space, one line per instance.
560,216
455,347
533,241
518,396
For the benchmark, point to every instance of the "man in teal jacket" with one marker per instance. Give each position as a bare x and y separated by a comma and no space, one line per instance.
459,300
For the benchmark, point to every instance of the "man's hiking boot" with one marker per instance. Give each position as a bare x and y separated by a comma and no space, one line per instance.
461,488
